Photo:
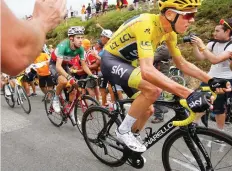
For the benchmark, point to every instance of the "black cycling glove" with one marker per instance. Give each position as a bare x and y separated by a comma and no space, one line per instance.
198,101
217,83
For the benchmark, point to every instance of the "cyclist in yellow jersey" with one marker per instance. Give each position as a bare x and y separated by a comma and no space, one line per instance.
137,39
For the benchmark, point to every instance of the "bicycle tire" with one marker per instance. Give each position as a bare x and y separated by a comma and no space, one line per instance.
173,137
79,115
105,113
179,79
49,109
22,97
8,98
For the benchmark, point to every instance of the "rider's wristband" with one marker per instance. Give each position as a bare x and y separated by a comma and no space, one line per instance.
68,77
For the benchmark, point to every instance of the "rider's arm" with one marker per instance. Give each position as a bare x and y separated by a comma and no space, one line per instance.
152,75
181,63
85,67
59,67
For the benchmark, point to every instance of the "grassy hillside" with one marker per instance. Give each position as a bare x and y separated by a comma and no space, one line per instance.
208,16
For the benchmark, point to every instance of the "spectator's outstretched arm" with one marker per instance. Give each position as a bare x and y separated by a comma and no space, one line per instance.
22,41
99,26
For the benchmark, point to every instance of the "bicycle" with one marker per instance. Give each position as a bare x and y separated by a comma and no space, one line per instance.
80,103
191,145
16,94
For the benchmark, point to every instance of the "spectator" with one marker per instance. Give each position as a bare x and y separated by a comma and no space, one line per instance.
24,39
83,11
88,9
162,63
98,7
105,6
50,48
42,67
93,64
71,12
218,53
136,4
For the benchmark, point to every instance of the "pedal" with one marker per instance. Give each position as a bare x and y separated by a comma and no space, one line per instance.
135,159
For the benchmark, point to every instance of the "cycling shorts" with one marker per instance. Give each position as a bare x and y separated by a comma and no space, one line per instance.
219,104
121,72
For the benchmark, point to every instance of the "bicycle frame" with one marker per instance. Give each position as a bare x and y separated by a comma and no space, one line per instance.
153,137
76,98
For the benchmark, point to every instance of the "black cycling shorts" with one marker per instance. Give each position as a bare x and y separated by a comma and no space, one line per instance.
117,71
46,81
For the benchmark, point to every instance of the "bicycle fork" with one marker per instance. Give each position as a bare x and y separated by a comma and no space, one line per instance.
193,142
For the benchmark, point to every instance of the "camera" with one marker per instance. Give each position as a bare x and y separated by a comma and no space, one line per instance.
188,37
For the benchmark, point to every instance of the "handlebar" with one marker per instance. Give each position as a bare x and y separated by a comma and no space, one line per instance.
81,83
192,115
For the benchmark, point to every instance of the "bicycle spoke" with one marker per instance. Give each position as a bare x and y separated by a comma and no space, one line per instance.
185,157
222,157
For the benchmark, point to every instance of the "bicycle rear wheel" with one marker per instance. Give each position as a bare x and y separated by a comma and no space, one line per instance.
55,118
24,100
8,95
81,106
176,154
102,143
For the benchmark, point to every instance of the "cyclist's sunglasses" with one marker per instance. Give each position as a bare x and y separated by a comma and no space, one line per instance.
186,15
223,22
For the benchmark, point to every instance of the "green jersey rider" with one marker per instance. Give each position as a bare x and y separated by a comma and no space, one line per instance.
64,52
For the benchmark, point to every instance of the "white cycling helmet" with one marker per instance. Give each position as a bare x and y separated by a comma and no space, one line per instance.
107,33
76,30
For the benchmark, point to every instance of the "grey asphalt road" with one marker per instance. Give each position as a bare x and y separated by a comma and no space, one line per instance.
32,143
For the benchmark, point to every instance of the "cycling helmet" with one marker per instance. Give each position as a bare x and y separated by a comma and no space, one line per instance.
76,30
86,43
107,33
179,4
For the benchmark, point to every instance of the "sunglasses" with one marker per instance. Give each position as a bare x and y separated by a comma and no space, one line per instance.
223,22
186,15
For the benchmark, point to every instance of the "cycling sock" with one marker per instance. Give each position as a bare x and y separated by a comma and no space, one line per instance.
126,124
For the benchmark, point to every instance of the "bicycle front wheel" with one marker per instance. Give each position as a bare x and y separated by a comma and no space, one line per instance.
8,95
24,100
100,136
55,118
81,106
176,153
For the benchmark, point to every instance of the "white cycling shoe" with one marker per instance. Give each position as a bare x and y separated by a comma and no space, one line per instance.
56,106
131,142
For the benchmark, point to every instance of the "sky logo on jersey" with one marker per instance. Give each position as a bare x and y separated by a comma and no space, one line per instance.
118,70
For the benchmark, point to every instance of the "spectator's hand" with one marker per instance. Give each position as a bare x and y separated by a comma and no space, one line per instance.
49,13
198,42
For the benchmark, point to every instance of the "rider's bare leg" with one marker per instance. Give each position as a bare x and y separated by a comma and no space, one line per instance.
149,94
62,81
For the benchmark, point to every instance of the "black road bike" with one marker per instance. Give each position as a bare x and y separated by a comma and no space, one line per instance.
189,147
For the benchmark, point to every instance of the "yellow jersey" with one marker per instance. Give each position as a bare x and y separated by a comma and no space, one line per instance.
139,37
